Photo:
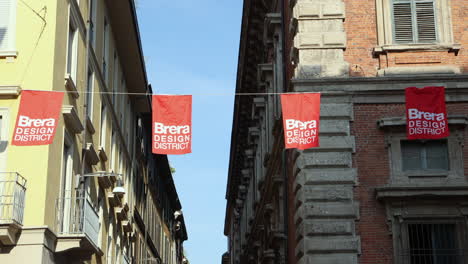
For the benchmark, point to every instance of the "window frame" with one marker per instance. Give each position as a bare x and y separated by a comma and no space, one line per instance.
403,242
455,156
385,28
103,128
423,154
90,94
72,66
10,50
4,137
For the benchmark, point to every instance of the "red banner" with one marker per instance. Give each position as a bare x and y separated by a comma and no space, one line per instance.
37,119
426,116
172,124
301,120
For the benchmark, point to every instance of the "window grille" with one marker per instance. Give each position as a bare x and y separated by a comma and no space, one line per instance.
414,21
425,155
433,243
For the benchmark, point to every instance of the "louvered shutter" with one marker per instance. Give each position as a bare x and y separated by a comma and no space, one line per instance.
402,22
425,20
6,30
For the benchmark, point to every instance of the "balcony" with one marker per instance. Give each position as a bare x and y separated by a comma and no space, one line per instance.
77,225
12,193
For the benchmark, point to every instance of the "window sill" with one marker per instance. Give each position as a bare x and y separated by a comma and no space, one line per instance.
405,47
10,91
6,54
426,173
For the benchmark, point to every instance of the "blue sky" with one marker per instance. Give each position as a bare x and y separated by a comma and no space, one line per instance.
191,47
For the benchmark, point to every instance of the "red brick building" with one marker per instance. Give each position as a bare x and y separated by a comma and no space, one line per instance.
366,195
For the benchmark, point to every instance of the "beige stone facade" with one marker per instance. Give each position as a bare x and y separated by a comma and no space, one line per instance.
96,194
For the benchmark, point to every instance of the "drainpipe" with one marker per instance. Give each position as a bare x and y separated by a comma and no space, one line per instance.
85,103
284,162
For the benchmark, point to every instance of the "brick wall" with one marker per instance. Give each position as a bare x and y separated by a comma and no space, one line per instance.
361,31
372,161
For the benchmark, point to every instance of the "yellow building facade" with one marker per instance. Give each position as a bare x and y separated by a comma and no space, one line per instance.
87,197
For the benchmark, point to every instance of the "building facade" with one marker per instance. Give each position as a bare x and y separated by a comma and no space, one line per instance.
366,195
96,194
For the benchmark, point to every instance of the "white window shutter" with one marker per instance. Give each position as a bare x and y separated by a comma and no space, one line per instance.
402,22
425,20
7,25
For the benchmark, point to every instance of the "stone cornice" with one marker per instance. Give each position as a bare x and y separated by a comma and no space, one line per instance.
401,121
399,191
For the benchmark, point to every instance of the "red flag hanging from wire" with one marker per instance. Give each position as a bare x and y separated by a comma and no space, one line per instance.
301,120
37,118
172,124
426,115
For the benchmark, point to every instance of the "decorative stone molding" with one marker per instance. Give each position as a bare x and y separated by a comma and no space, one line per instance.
419,70
113,199
72,120
91,154
105,179
401,121
425,47
271,26
8,54
411,191
264,72
320,40
258,106
9,233
319,10
102,153
71,86
90,126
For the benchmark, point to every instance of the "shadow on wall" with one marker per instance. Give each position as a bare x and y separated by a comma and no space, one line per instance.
3,32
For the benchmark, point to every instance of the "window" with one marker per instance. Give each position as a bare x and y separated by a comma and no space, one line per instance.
414,21
89,94
113,151
105,50
7,27
66,182
431,243
424,155
414,24
103,125
92,23
115,85
4,137
440,159
72,49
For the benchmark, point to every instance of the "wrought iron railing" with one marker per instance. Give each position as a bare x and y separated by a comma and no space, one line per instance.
12,194
433,243
125,260
77,216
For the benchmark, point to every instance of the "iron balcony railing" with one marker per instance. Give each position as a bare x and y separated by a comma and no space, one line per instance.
77,216
12,194
125,260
